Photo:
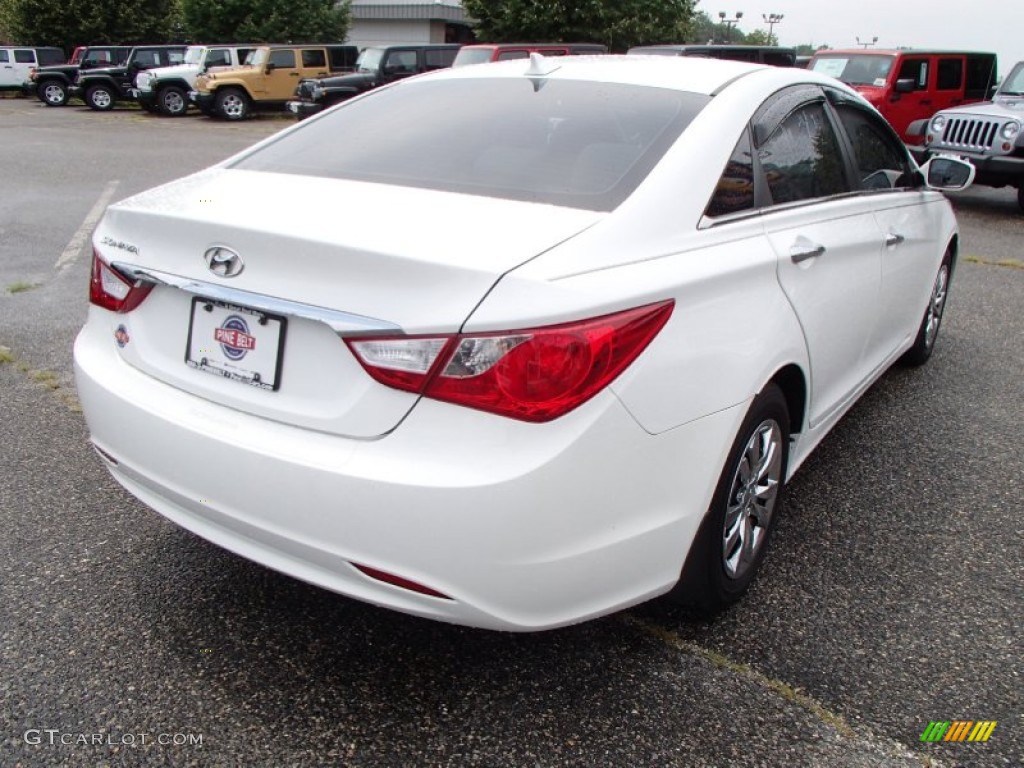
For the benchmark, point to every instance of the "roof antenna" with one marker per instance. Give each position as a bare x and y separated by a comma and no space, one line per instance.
538,69
540,66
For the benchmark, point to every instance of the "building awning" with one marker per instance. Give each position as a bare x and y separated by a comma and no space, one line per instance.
432,11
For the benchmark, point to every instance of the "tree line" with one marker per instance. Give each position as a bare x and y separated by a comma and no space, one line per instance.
619,24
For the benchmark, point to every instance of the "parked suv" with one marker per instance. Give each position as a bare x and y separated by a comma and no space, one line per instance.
375,67
483,53
990,135
100,89
269,79
165,89
757,54
52,84
909,85
16,62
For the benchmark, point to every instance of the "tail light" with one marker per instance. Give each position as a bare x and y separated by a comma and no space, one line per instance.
111,290
533,375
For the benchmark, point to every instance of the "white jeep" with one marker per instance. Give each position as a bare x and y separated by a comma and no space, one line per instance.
165,90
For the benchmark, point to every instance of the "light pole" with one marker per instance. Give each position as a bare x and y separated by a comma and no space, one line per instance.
771,19
868,44
729,24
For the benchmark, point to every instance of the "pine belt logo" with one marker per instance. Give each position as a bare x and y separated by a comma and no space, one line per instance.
958,730
233,337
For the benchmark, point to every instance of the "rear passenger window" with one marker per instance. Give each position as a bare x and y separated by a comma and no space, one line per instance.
881,162
980,76
950,74
439,59
313,57
282,58
735,190
507,55
24,57
916,70
801,159
3,57
218,58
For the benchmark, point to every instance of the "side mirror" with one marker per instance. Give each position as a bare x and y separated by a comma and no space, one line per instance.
947,173
270,67
906,85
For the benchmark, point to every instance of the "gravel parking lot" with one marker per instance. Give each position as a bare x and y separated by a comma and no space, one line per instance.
893,595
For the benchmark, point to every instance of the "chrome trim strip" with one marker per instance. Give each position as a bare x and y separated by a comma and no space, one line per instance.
342,323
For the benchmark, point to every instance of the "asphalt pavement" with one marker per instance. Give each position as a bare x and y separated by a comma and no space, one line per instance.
893,595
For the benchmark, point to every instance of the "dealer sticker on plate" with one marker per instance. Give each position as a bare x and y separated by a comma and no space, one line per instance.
236,342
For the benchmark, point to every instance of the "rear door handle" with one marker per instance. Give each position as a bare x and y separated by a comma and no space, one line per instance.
893,239
799,253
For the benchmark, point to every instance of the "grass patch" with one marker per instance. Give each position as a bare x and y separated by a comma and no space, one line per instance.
1010,263
21,287
6,356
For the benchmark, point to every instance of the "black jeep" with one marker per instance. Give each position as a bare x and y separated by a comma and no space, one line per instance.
100,89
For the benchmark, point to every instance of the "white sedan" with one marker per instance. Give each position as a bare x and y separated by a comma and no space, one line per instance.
516,345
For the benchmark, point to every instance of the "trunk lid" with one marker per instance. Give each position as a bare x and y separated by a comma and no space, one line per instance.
325,255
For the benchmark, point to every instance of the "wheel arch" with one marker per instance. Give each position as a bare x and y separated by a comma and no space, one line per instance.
791,380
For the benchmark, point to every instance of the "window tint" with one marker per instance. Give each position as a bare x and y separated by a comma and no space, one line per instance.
801,159
572,143
24,57
881,161
916,70
314,57
735,190
147,59
401,63
218,58
980,76
506,55
282,58
50,57
3,57
439,59
950,73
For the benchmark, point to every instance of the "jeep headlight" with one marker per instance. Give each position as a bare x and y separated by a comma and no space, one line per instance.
1010,130
316,92
938,124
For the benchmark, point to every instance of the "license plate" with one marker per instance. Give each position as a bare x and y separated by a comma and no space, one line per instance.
238,343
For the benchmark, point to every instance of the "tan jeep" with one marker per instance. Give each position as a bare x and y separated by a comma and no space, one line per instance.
269,79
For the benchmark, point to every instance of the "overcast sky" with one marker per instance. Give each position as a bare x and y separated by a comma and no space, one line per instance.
984,25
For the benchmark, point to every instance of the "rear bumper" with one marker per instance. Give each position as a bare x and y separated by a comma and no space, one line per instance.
524,527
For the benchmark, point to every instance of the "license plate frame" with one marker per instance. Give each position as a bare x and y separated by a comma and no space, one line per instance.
221,335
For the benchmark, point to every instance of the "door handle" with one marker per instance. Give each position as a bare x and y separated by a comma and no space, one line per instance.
799,253
893,239
293,74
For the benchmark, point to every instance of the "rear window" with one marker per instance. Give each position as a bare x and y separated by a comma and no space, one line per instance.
577,144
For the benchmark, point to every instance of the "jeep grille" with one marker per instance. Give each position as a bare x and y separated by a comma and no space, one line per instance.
973,134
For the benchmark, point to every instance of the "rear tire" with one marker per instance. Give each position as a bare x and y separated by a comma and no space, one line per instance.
928,332
173,101
52,93
100,98
731,541
232,104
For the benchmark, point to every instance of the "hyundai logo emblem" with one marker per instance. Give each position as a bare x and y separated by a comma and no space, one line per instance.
223,262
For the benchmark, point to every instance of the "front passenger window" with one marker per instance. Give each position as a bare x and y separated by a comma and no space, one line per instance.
881,162
801,160
283,59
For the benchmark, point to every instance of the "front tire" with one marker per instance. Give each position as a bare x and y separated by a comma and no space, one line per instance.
232,104
928,332
173,101
731,542
100,98
52,93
